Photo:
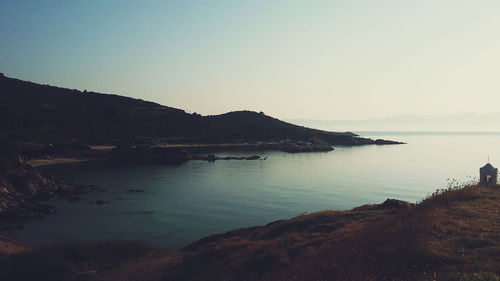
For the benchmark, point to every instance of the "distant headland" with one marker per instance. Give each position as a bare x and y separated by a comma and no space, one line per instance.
37,113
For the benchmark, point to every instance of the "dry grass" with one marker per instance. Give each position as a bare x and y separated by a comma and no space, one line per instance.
453,234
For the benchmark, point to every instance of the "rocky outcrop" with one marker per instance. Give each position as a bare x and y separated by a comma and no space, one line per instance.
22,187
394,204
383,142
388,204
22,190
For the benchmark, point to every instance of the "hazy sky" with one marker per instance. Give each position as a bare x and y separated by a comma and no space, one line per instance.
291,59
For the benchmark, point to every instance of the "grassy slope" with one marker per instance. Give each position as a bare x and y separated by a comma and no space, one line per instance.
453,235
450,236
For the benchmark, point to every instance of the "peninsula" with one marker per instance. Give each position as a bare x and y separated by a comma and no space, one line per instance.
64,121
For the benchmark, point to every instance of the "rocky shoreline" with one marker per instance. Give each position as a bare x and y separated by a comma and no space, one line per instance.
24,190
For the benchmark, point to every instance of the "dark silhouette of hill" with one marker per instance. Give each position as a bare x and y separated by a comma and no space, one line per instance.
43,113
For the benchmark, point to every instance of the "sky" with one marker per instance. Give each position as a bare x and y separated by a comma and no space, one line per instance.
292,59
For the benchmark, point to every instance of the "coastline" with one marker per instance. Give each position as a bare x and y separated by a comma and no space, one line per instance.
45,187
12,246
56,160
284,146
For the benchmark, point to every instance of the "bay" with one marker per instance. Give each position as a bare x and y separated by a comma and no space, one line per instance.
181,204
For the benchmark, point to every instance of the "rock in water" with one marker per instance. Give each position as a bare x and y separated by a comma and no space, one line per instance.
101,202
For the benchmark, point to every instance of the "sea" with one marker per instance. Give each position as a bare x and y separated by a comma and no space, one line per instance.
180,204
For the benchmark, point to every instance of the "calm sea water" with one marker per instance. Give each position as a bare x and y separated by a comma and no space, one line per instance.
184,203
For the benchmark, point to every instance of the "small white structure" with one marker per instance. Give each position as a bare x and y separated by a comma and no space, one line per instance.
488,175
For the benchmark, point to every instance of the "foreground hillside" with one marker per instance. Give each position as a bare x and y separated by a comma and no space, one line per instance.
31,112
446,237
452,235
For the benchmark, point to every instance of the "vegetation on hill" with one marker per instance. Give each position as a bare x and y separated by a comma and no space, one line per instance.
452,235
31,112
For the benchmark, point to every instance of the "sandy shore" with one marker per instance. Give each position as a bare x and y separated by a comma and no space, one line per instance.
53,161
102,147
11,246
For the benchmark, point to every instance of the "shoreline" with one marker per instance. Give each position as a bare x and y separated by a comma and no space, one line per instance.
10,245
20,246
164,154
283,146
191,149
57,160
286,147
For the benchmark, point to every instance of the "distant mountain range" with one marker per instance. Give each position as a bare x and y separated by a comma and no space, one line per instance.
463,122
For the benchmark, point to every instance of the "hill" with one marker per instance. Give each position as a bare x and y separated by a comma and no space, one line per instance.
451,235
31,112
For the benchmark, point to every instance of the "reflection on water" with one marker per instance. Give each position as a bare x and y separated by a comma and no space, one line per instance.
183,203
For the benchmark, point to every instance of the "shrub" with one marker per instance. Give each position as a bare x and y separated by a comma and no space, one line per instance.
455,191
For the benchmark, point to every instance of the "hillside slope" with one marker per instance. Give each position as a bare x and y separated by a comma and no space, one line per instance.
42,113
452,235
